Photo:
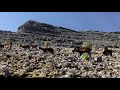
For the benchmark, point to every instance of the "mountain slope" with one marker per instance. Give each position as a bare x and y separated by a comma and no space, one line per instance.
58,36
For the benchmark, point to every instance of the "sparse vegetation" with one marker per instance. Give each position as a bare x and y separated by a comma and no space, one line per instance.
85,56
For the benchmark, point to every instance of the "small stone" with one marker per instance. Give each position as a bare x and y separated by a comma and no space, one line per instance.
65,76
20,72
98,59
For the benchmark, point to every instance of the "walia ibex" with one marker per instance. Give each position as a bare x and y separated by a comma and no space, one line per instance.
29,46
1,46
81,50
33,45
7,46
107,52
25,47
46,50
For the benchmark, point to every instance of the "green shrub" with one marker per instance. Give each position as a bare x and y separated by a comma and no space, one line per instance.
114,45
85,56
86,45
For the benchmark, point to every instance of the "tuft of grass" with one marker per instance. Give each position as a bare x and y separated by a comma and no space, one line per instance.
85,56
114,45
86,45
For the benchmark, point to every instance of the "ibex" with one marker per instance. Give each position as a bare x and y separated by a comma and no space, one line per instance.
7,46
1,46
33,45
25,47
46,50
107,52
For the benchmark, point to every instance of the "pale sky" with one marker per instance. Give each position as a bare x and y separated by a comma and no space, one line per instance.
100,21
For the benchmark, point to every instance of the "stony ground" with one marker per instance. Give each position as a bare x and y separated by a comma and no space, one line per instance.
63,64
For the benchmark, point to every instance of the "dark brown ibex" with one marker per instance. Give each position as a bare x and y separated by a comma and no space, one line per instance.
46,50
107,52
1,46
81,50
8,45
33,45
25,47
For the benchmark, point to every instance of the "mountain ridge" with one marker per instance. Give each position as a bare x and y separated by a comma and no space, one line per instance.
30,22
60,35
40,27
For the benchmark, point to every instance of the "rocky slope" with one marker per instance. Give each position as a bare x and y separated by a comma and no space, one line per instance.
63,64
19,63
59,36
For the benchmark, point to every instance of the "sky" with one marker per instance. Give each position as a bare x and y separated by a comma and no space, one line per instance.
99,21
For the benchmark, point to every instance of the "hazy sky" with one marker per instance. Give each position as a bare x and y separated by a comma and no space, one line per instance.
103,21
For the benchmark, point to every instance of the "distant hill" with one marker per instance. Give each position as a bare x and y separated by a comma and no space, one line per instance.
37,27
